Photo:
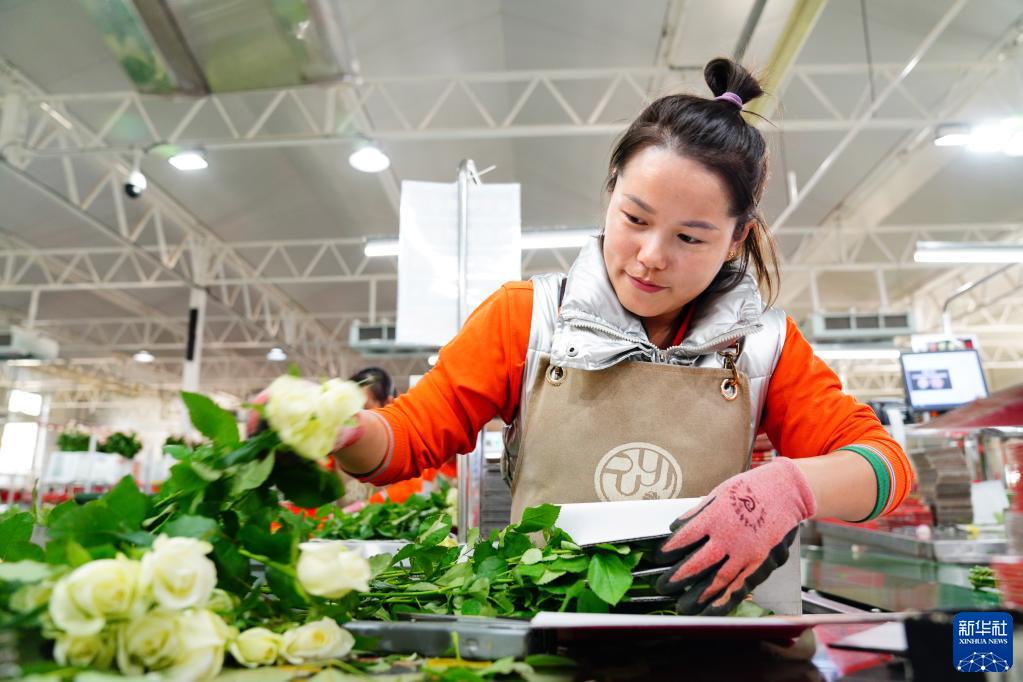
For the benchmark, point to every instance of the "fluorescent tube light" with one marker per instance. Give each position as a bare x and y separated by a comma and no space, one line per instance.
381,247
536,239
952,135
968,252
857,353
556,239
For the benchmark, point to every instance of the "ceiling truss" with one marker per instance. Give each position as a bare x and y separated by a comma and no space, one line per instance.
588,102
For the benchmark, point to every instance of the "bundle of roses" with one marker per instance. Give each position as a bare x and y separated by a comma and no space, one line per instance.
164,613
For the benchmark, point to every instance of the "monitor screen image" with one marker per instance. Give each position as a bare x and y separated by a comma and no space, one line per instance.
943,380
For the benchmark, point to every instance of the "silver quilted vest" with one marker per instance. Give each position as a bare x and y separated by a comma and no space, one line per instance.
594,331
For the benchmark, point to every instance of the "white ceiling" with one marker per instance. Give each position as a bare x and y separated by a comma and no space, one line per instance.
310,192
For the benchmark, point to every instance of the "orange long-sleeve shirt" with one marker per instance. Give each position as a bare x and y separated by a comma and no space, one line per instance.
479,376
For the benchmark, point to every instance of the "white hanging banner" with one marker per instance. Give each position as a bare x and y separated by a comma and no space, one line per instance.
428,255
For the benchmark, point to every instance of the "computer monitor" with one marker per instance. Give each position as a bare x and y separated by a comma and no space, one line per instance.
943,380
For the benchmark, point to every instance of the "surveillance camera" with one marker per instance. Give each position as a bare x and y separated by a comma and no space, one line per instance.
135,185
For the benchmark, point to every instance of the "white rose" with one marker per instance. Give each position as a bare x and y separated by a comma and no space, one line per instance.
204,635
107,589
256,647
150,642
89,651
307,416
342,399
222,601
179,573
322,640
331,570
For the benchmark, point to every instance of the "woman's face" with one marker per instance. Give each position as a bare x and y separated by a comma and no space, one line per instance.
666,234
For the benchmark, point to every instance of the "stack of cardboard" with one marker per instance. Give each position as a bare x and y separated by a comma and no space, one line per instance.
944,482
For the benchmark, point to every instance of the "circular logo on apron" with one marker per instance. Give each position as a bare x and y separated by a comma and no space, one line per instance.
637,471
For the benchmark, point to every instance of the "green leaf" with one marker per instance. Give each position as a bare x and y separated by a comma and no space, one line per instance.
576,564
204,471
539,518
285,588
514,545
534,572
620,549
15,531
378,564
588,602
211,420
532,556
549,576
201,527
251,475
76,554
609,577
439,528
232,568
492,567
261,443
90,525
279,546
305,484
139,538
128,503
20,551
422,587
471,607
24,571
549,661
178,452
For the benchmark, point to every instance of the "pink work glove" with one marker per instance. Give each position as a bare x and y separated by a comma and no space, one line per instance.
254,423
732,541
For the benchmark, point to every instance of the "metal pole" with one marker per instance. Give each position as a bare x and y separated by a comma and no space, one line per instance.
946,314
193,349
470,465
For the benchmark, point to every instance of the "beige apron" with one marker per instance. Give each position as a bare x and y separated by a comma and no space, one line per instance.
634,431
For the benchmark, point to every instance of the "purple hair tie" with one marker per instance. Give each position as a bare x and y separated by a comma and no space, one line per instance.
731,97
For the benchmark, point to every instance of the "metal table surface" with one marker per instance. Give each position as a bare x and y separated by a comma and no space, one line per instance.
890,582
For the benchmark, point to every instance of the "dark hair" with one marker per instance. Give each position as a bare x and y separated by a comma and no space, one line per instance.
377,381
714,133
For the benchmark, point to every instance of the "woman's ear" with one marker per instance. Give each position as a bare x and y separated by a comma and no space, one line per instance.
743,234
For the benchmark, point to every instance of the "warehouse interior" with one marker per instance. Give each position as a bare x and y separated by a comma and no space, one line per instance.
895,137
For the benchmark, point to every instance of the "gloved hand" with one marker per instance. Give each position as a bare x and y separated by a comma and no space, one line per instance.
255,423
735,537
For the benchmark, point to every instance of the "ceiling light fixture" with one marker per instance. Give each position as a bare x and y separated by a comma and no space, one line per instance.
856,353
988,137
144,357
189,160
380,247
369,159
534,239
276,354
968,252
952,135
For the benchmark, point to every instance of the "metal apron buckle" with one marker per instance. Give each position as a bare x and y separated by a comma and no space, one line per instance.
730,386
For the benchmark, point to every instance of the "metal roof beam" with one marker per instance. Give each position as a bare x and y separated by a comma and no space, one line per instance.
280,117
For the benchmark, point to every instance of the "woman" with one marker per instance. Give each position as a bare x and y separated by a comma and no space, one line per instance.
647,371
